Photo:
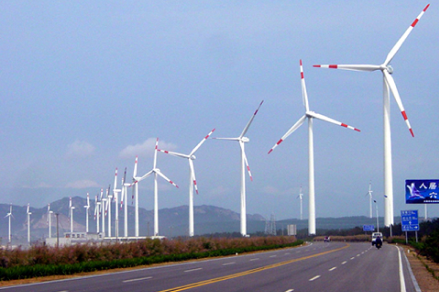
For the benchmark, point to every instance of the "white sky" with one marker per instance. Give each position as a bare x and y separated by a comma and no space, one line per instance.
87,85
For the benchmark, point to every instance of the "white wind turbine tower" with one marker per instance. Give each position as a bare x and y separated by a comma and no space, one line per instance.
241,139
97,212
110,200
28,222
124,198
156,172
310,115
116,191
86,212
369,193
300,197
71,214
49,219
10,217
388,82
136,198
192,180
103,210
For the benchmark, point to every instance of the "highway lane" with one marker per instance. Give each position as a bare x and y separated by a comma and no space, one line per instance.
317,267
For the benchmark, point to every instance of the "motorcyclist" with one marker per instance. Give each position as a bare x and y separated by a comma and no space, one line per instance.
378,242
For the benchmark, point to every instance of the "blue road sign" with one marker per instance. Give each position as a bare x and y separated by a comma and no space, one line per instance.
409,220
422,191
368,227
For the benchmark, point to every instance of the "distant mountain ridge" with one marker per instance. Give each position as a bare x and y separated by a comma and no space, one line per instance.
172,221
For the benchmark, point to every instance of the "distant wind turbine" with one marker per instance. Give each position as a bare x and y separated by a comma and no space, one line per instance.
97,212
49,219
28,222
86,212
192,181
241,139
388,82
116,192
300,197
310,115
71,214
369,193
10,217
156,173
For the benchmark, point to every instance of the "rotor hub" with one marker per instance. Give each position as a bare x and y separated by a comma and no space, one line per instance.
389,69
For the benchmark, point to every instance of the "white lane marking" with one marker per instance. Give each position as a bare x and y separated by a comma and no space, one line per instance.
315,278
332,269
287,253
344,262
291,290
231,263
256,259
273,256
401,273
358,255
352,258
137,279
188,271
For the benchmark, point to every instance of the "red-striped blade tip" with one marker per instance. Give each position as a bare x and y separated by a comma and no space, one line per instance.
318,66
411,132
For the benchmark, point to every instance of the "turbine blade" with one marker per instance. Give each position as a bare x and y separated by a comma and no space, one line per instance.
361,67
251,120
115,179
304,94
135,167
192,170
201,143
399,43
326,119
145,176
164,177
155,152
173,153
392,85
248,167
291,130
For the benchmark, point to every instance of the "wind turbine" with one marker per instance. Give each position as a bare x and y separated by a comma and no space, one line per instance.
241,139
49,219
97,212
124,198
192,181
300,197
388,82
10,217
156,173
71,214
104,211
110,199
136,198
116,191
370,199
310,115
86,212
28,223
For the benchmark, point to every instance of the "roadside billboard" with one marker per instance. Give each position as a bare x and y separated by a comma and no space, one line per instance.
422,191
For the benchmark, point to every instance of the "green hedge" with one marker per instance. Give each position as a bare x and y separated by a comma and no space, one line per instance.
38,270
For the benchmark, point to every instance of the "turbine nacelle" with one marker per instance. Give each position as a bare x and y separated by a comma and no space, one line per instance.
245,139
192,157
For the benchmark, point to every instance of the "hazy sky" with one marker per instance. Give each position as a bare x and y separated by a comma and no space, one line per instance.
85,86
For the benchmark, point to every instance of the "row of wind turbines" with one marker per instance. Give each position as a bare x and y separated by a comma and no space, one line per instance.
103,204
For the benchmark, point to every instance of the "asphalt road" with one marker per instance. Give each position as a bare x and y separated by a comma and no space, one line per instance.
333,266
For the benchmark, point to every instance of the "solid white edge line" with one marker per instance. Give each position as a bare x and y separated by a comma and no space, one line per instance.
401,273
415,283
